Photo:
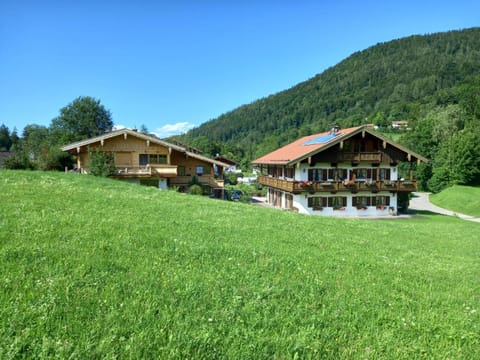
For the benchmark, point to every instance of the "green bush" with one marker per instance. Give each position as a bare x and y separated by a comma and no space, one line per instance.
18,161
195,190
101,163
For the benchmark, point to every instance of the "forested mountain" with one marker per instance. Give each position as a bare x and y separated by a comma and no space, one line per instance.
432,81
405,79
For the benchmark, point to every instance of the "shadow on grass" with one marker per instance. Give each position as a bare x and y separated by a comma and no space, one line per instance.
420,213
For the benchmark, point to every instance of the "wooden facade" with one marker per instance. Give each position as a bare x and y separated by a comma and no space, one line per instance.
351,172
146,159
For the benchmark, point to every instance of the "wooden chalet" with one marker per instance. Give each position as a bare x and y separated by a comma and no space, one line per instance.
148,160
344,172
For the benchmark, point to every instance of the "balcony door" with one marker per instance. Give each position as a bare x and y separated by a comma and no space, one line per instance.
143,159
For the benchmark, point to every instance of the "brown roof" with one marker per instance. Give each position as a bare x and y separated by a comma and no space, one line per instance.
303,147
312,144
73,146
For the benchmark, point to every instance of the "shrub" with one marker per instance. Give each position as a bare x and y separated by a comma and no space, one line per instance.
195,190
18,161
101,163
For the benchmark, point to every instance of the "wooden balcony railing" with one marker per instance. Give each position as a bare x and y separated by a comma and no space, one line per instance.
357,157
163,170
204,180
335,186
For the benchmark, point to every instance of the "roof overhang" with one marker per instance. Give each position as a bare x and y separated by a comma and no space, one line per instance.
336,140
74,148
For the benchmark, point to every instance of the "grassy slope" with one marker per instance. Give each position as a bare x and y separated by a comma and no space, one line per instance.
94,267
462,199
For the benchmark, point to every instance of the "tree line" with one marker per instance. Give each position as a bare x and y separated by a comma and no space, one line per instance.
38,147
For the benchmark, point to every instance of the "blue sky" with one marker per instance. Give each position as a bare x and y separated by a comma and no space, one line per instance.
172,65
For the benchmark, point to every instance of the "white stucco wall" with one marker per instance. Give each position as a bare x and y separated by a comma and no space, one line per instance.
301,203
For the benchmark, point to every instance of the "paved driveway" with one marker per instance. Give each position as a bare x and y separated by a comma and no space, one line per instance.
420,201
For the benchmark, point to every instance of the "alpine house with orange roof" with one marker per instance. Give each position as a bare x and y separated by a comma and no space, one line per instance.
343,172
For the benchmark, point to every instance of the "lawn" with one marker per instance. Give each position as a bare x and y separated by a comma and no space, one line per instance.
462,199
97,268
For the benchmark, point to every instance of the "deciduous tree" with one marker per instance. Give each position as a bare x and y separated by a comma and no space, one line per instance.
85,117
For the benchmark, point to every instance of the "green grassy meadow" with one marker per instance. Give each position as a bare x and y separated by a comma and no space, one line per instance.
97,268
462,199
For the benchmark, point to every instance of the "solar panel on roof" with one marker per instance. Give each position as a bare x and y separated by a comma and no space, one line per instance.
320,139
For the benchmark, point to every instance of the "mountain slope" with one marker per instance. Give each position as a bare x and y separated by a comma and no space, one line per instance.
399,79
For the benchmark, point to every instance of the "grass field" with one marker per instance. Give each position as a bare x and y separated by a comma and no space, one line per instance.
96,268
462,199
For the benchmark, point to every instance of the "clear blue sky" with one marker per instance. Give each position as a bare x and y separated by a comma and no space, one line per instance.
176,64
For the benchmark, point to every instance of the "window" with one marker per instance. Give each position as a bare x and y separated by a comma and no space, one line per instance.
381,201
181,170
384,174
203,170
337,202
289,172
363,146
361,174
359,146
315,174
361,201
330,174
274,171
342,174
317,202
145,159
347,146
356,147
157,159
366,174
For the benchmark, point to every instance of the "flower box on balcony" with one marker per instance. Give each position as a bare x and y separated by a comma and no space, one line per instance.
318,208
326,184
339,208
305,185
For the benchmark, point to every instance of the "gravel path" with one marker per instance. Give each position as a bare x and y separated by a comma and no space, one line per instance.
420,201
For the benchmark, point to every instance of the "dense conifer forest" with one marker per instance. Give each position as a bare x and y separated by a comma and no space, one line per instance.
432,81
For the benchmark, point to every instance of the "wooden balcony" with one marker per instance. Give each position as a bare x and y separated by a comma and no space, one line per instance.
336,186
286,185
375,157
153,170
203,179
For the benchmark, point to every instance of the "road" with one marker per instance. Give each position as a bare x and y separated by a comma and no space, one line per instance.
420,201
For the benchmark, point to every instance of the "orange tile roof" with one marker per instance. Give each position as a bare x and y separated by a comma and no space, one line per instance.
304,147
